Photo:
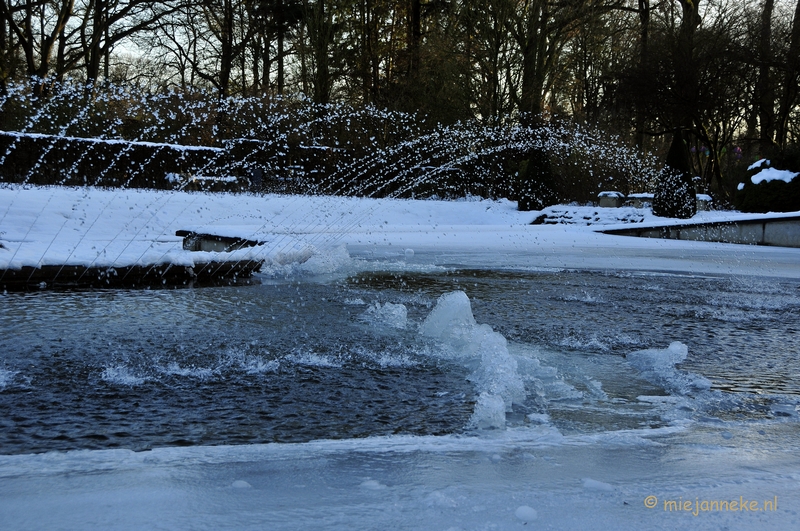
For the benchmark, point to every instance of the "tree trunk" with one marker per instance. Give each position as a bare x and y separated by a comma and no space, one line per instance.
414,36
265,82
765,91
5,65
533,47
226,49
280,53
93,53
684,65
790,82
319,35
644,58
258,87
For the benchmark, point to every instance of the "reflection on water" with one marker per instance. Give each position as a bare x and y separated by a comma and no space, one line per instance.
297,360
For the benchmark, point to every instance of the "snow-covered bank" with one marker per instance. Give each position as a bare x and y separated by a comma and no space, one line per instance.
105,228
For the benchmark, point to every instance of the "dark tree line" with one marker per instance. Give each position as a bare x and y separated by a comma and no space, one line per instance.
723,72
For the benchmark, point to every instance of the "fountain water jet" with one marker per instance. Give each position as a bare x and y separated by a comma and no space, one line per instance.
347,155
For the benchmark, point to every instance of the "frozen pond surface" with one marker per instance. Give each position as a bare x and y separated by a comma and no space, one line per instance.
298,360
381,418
454,368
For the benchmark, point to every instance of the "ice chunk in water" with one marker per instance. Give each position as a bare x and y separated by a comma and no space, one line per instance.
451,320
490,412
658,367
659,359
495,370
593,484
328,261
372,484
497,373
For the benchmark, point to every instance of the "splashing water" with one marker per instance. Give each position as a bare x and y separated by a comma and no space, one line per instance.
122,138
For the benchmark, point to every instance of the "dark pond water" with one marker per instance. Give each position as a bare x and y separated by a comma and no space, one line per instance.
295,360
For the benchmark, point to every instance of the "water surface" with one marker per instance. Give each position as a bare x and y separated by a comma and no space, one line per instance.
300,359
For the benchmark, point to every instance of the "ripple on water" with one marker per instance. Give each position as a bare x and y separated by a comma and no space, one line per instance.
301,360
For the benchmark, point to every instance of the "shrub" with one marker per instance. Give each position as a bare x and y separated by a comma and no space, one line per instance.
675,192
766,190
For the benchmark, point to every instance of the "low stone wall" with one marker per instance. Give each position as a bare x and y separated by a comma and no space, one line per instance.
780,231
139,276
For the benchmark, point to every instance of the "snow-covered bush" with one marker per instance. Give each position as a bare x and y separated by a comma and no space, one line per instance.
768,189
675,195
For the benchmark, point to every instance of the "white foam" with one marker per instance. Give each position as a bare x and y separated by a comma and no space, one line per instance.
258,365
121,375
544,381
297,257
579,344
249,363
387,314
174,369
387,359
294,252
312,359
6,377
328,261
538,418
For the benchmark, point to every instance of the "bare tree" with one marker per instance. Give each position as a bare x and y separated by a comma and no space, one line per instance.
320,29
105,23
791,76
765,90
540,29
36,24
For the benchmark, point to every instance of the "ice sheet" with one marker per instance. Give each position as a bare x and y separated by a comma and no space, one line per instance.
408,483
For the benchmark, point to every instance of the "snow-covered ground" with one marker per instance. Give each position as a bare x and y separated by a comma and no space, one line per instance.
113,228
521,478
